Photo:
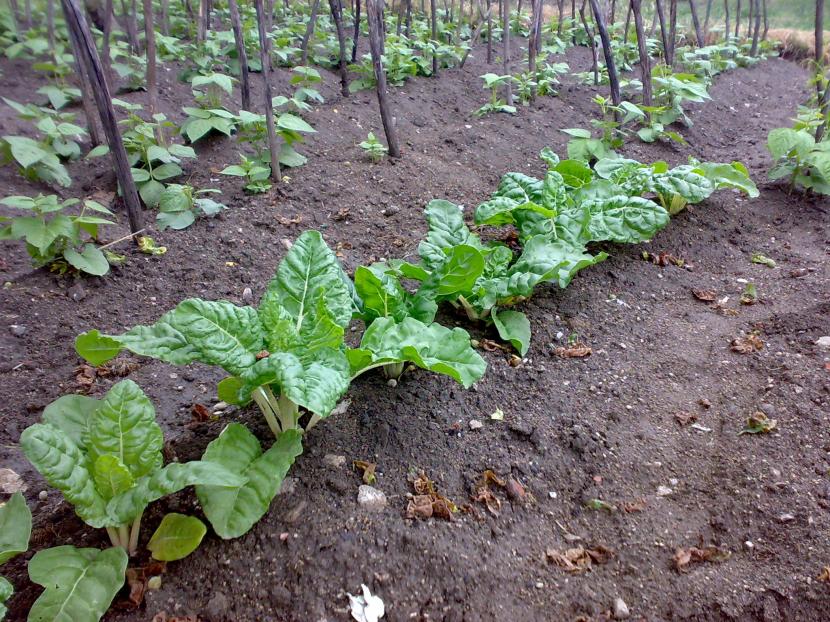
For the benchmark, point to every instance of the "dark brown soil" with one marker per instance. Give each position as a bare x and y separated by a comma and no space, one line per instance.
603,427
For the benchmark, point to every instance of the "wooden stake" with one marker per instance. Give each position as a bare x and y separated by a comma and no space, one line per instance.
706,19
265,58
508,96
357,30
561,17
86,91
536,17
489,32
337,15
409,18
309,30
756,32
726,14
664,31
76,24
738,18
592,40
374,15
645,61
672,30
608,52
165,17
150,39
202,23
766,20
433,19
50,25
698,31
242,55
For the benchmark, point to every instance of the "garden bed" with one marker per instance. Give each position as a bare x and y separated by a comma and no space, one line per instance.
648,423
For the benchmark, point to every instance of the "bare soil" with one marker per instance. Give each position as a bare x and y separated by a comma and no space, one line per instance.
574,430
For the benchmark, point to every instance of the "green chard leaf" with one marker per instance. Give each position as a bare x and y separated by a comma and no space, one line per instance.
513,326
176,537
432,347
80,583
6,591
15,527
233,511
624,219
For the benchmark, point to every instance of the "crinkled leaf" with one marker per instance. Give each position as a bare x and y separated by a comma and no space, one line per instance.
176,537
446,230
432,347
124,425
734,175
111,476
308,270
71,414
233,511
624,219
316,384
15,527
381,295
64,466
172,478
80,583
456,274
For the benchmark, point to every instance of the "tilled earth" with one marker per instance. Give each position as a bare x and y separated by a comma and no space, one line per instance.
648,423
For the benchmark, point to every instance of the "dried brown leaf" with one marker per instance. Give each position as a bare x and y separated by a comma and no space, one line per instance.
573,350
684,418
683,557
441,506
824,575
638,505
200,412
580,559
705,295
368,469
747,344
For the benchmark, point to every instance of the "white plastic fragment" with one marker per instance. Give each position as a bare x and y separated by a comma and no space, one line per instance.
366,608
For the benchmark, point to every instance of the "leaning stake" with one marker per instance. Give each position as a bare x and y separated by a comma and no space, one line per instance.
76,23
265,57
374,15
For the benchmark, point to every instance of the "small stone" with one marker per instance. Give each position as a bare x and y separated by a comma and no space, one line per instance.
11,482
539,585
43,495
17,330
217,607
786,518
664,491
392,383
370,498
220,406
247,295
475,424
823,342
334,460
749,545
621,611
77,292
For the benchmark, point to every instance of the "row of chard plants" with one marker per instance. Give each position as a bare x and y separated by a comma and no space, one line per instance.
290,358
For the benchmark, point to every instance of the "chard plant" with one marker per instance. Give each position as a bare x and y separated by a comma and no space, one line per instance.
105,458
494,83
800,159
289,352
56,238
372,147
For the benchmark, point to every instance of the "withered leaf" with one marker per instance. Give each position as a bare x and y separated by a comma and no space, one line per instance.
684,418
824,575
683,557
368,469
573,350
580,559
705,295
440,506
200,412
638,505
747,344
